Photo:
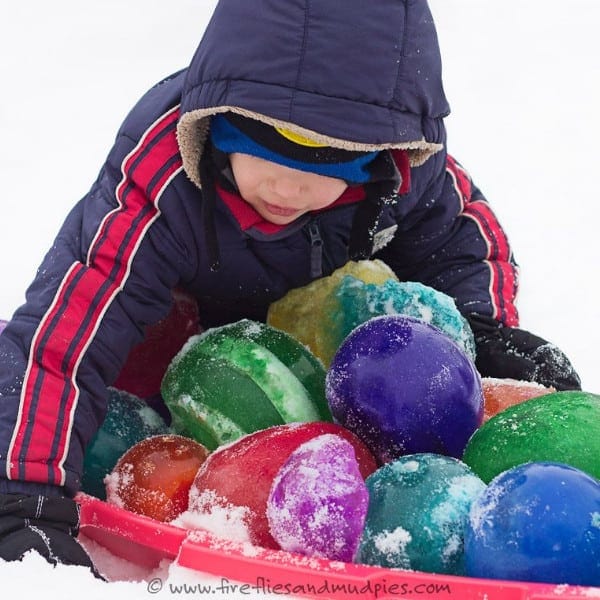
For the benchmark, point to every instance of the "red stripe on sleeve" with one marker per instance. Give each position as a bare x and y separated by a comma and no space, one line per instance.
462,181
503,279
50,392
503,272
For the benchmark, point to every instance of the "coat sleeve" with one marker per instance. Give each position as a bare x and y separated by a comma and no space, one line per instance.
452,241
109,273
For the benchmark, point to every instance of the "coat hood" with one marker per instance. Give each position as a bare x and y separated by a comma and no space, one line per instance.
353,74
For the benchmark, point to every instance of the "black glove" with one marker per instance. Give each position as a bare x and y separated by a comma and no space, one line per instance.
509,352
46,525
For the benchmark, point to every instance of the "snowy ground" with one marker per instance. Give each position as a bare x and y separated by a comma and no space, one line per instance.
523,81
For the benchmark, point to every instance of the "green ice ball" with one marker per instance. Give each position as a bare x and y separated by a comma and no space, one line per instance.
561,427
236,379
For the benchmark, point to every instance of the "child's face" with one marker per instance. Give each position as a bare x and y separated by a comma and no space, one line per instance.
281,194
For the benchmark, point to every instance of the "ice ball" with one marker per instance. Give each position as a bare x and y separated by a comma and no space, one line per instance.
318,502
404,387
537,522
560,427
418,510
153,478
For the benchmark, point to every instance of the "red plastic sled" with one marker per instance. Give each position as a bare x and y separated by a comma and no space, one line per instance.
146,542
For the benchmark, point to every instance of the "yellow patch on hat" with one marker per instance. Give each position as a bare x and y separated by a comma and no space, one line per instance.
298,139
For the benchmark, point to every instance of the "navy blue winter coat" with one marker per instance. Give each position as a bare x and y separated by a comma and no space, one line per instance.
355,74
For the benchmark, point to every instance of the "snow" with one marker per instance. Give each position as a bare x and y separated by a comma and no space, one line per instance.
212,513
393,544
523,82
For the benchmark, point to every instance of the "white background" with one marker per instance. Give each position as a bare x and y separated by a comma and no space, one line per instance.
523,80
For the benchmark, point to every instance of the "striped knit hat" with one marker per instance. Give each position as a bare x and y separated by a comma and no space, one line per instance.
231,133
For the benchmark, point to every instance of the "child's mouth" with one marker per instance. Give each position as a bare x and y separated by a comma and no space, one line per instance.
280,211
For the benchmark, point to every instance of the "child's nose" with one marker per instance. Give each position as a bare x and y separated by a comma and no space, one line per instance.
286,188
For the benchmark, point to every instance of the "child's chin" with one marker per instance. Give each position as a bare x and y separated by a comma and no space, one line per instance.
281,221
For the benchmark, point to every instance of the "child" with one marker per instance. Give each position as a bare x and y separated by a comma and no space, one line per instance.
300,137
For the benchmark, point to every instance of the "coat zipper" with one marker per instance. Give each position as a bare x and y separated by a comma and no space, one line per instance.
316,250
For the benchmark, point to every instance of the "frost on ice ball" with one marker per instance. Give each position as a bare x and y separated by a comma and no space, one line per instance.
318,502
153,478
241,474
240,378
404,387
537,522
560,427
418,510
325,311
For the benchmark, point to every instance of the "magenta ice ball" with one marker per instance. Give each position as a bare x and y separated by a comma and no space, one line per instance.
404,387
318,502
3,324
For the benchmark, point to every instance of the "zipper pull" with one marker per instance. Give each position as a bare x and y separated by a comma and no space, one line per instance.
316,250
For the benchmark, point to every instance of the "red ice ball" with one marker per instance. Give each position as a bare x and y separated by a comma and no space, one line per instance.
148,361
241,474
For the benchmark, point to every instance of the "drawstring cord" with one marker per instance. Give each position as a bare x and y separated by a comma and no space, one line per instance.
209,198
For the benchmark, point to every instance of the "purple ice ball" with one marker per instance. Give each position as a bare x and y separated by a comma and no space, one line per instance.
404,387
318,502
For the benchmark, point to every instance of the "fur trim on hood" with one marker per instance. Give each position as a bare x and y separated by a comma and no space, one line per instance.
364,78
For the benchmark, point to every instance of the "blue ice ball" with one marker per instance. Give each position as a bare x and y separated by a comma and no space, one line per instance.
539,522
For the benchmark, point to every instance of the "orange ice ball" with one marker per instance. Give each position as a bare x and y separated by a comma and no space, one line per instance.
499,394
153,478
